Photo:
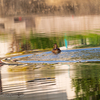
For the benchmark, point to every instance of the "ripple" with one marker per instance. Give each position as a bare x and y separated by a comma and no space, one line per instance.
76,55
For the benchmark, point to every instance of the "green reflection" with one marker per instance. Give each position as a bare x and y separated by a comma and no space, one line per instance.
42,42
87,82
3,37
45,41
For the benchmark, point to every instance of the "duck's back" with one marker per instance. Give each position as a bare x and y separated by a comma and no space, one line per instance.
56,51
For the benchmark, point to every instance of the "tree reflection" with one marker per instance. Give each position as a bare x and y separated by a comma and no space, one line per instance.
34,41
87,82
41,41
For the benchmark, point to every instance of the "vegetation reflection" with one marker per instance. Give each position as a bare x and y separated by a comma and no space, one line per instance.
87,82
44,41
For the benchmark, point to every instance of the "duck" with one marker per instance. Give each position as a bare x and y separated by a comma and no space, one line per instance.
56,50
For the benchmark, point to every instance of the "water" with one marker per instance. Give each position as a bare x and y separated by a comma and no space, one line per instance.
71,75
75,55
67,81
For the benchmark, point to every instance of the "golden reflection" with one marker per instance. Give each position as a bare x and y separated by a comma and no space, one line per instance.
26,73
21,77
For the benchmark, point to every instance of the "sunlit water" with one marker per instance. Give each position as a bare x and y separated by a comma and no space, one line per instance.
65,76
66,81
50,24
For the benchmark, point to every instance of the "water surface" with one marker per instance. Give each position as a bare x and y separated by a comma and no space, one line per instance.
65,79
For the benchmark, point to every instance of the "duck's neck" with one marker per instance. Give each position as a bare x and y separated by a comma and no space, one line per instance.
55,47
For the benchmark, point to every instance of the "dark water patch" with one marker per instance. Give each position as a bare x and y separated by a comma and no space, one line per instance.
86,81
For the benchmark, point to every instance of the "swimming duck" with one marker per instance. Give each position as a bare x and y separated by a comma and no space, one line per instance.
56,50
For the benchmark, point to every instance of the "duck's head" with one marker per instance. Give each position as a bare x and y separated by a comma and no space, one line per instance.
55,46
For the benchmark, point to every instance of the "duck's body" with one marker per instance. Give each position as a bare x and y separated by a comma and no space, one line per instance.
56,50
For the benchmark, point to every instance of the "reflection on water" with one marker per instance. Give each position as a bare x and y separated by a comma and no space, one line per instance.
45,83
17,43
61,81
67,81
69,23
86,81
49,24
